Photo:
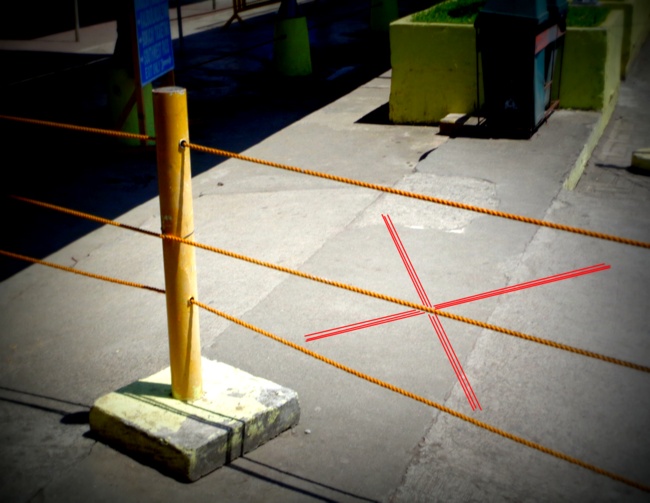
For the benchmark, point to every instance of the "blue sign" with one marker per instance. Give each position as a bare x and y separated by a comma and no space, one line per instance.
155,50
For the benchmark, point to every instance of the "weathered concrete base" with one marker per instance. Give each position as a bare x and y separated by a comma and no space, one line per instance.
237,413
641,158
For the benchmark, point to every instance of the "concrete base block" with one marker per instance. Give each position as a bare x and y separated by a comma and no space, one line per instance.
187,440
451,124
641,158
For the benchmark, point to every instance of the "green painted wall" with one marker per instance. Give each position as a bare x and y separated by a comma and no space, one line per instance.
291,49
640,26
434,71
636,26
382,13
120,88
592,64
627,7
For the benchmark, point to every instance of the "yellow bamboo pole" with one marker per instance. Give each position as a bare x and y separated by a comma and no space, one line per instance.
177,218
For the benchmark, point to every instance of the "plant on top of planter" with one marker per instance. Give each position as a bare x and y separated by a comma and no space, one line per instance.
465,12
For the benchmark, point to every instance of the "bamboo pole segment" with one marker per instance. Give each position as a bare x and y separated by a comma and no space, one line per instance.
177,219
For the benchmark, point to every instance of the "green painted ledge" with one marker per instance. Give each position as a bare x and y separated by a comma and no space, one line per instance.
434,68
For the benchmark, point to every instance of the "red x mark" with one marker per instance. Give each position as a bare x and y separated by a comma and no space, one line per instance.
435,322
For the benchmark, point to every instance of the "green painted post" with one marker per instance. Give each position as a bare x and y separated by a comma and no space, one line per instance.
291,50
382,14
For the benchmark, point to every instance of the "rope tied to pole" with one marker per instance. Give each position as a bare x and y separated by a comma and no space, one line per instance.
357,373
351,181
101,277
423,197
83,129
426,401
344,286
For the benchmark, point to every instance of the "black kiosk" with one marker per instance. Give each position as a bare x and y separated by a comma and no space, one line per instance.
519,42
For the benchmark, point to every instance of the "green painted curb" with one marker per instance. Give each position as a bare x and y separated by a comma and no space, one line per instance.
599,128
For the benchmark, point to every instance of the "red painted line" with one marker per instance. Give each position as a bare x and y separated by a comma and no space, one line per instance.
363,324
405,260
464,381
527,284
442,336
492,293
435,321
440,332
401,249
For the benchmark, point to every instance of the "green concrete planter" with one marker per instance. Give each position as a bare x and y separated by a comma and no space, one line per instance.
591,70
635,28
434,68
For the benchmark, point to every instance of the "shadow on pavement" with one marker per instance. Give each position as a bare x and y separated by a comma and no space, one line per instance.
292,487
235,100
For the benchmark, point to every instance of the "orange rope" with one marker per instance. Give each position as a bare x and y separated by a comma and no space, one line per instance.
84,129
350,181
351,288
423,197
340,366
86,216
81,273
430,403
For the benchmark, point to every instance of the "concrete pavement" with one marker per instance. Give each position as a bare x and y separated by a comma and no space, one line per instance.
67,340
594,411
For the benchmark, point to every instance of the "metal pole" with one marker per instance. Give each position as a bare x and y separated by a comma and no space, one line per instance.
76,21
179,21
177,218
137,77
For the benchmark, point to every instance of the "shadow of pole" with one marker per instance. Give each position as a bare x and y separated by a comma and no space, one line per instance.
303,479
71,418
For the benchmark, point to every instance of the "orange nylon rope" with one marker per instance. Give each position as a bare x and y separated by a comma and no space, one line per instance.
340,366
430,403
81,273
351,288
423,197
84,129
350,181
